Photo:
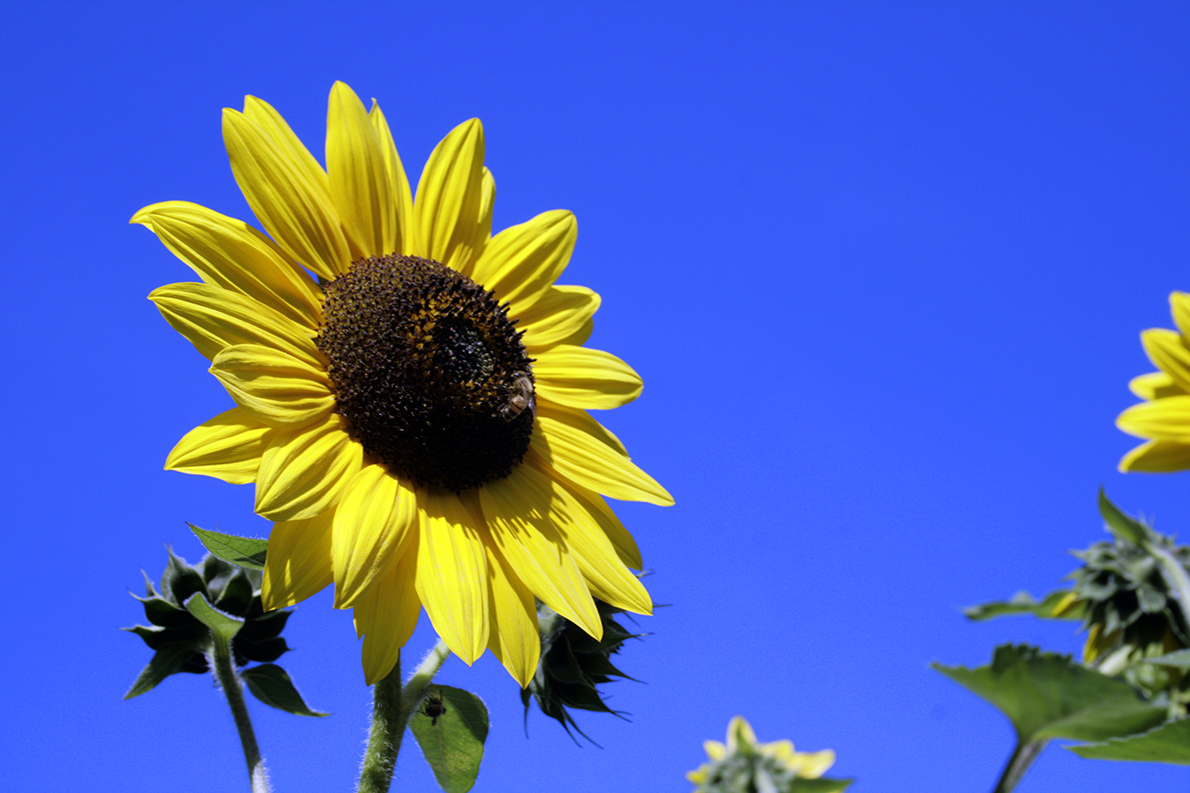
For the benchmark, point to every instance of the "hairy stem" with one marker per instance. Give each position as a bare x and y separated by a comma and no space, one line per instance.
384,738
227,679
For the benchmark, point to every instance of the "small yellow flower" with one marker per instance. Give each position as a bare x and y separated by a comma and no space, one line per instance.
1164,418
743,763
416,420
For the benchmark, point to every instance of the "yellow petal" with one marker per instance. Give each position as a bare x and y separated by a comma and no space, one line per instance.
1157,457
606,576
585,378
598,510
1179,304
296,211
514,638
360,183
523,514
814,764
387,613
272,386
1154,385
1166,419
449,203
305,471
375,520
405,241
298,563
1167,352
227,447
282,137
714,749
523,261
576,456
580,419
452,574
229,253
213,318
557,316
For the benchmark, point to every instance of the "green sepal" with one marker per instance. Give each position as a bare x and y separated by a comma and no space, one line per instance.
1046,695
271,685
160,611
243,551
164,663
820,785
453,740
264,651
223,626
1122,526
1023,603
266,626
236,596
1169,743
1179,659
180,580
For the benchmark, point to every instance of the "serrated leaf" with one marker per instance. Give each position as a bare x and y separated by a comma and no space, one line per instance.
1046,695
1180,659
1023,603
163,664
271,685
244,551
224,626
1169,743
1121,525
453,741
820,785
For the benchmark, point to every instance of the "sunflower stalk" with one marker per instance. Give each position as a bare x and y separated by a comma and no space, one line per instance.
226,678
384,737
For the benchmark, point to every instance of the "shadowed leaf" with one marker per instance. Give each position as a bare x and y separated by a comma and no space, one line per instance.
452,740
1169,743
271,685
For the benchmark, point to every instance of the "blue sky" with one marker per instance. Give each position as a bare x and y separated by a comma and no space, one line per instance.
883,268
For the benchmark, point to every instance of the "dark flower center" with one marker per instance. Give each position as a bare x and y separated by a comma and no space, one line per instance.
429,370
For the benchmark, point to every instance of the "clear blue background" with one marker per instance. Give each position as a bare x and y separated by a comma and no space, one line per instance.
882,267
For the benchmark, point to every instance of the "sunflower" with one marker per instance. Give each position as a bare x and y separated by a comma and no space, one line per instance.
1164,418
415,419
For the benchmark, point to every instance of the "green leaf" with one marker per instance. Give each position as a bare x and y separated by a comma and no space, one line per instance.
224,626
1169,743
820,785
271,685
1180,659
1023,603
163,664
1121,525
453,740
245,551
1046,695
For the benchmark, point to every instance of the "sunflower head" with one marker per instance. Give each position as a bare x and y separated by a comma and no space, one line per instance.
573,665
181,642
411,391
744,765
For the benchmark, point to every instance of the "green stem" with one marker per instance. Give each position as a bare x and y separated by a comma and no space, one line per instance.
415,688
1022,757
227,679
384,738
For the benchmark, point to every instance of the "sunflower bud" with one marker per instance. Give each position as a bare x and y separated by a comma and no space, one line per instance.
181,642
744,765
573,664
1127,602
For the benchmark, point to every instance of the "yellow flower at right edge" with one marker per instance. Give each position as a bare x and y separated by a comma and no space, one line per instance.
744,764
1164,418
